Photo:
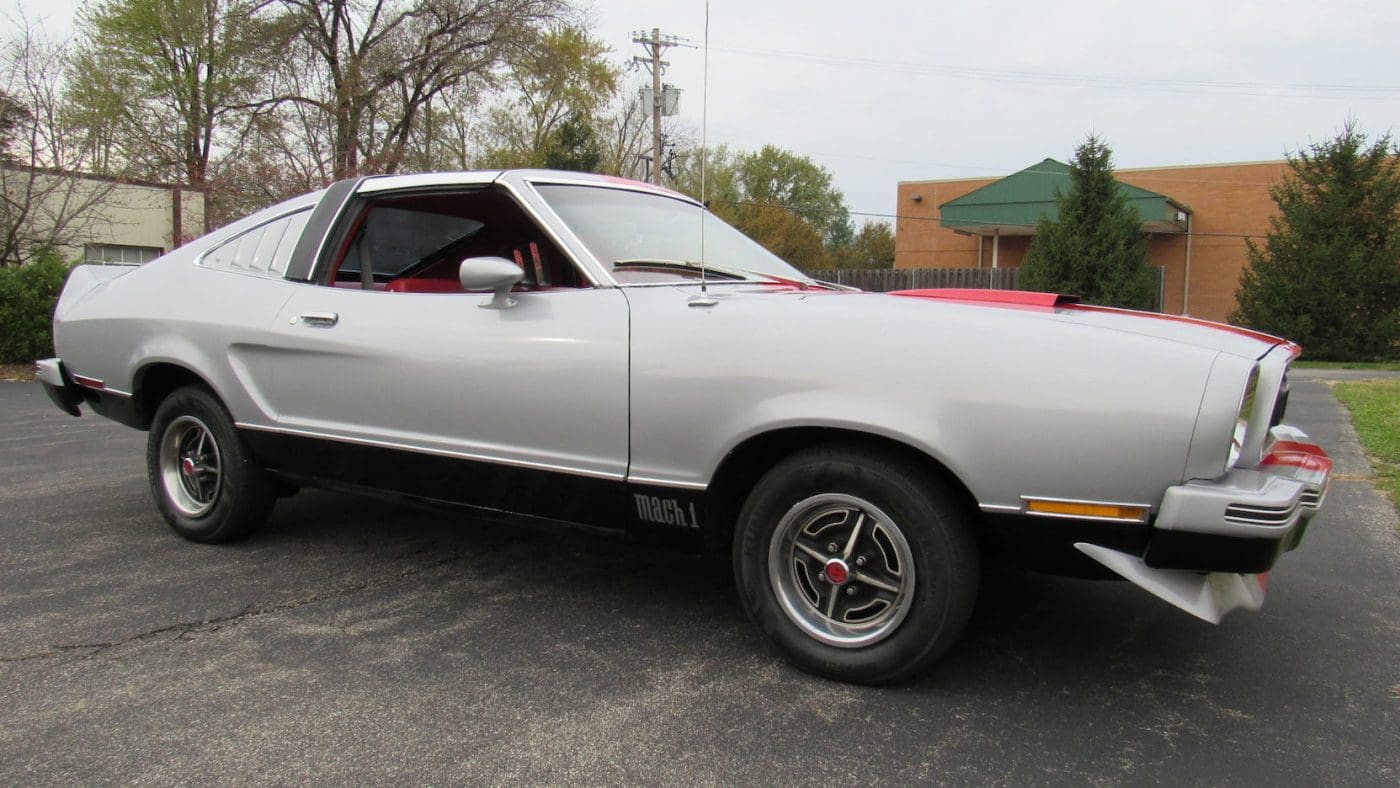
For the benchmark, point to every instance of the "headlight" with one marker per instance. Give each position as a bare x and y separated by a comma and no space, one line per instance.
1242,415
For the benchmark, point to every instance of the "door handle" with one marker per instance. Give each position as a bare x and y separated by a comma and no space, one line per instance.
319,319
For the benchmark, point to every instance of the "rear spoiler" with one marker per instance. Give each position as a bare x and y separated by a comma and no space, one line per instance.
86,279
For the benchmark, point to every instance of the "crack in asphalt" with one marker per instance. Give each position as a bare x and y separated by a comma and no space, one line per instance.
215,624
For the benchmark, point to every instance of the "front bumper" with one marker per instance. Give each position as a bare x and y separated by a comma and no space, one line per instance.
1213,542
1243,521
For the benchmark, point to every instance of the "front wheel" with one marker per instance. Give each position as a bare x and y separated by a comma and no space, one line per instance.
857,564
204,480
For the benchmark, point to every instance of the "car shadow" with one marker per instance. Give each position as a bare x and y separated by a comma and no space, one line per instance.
1027,626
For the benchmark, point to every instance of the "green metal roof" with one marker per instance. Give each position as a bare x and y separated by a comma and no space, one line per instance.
1012,205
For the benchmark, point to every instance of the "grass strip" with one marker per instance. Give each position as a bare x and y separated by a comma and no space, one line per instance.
1375,413
1386,365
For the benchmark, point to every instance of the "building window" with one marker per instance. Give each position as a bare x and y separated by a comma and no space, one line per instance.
120,254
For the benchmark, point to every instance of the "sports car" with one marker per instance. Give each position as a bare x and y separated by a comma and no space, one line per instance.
587,350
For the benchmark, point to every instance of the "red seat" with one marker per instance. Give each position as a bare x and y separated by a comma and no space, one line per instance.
425,286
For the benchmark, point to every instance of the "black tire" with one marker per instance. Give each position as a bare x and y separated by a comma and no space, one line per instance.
203,477
889,628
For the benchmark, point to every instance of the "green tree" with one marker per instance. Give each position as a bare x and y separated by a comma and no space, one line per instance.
155,81
774,176
1095,248
1328,273
784,233
555,88
782,200
872,247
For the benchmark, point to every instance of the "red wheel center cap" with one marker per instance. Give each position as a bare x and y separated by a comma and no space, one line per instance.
187,466
837,572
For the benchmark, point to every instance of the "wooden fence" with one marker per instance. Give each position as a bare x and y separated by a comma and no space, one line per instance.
882,280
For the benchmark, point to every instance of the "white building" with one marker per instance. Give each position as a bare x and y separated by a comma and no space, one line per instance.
105,219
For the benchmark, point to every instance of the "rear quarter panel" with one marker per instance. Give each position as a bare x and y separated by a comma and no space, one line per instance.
173,311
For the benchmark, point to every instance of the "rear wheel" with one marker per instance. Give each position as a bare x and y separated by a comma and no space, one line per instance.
204,480
857,564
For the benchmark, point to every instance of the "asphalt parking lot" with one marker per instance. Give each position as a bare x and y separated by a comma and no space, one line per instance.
356,641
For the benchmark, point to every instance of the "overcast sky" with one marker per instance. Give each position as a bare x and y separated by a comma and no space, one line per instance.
878,91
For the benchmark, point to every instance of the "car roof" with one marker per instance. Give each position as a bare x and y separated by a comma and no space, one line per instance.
381,183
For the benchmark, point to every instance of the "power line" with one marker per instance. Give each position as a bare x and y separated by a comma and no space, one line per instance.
1146,84
1145,174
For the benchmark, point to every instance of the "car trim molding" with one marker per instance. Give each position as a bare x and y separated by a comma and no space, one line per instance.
680,485
461,455
98,385
591,268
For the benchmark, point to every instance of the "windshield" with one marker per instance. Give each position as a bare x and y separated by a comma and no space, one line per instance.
627,228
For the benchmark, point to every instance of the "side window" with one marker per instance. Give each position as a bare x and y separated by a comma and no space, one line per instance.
265,249
282,255
414,243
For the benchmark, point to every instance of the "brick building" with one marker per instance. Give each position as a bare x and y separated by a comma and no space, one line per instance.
1198,218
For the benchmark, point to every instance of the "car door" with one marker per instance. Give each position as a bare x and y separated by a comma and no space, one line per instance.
433,394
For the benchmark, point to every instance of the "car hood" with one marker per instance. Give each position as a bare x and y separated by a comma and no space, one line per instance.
1026,311
1052,307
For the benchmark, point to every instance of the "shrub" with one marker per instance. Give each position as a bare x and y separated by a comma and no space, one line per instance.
28,294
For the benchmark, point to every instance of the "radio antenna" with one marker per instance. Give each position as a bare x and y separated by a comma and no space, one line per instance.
704,297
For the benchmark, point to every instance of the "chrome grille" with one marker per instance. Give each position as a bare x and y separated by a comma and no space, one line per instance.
1259,515
1311,499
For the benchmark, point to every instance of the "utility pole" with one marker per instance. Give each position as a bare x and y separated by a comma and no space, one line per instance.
662,101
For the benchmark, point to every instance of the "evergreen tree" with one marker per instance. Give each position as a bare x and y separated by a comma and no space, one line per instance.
1095,248
573,146
1328,273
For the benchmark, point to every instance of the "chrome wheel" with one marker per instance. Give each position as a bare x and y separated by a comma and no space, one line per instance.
191,467
841,569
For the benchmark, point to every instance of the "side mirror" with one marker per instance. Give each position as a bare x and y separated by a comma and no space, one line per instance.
496,274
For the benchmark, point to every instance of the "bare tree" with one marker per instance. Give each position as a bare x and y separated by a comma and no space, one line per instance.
625,135
376,65
445,138
44,202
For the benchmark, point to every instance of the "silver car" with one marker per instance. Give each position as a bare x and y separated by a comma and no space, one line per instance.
607,353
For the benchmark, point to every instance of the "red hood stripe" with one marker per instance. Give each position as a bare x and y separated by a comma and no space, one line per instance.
1014,297
1024,299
